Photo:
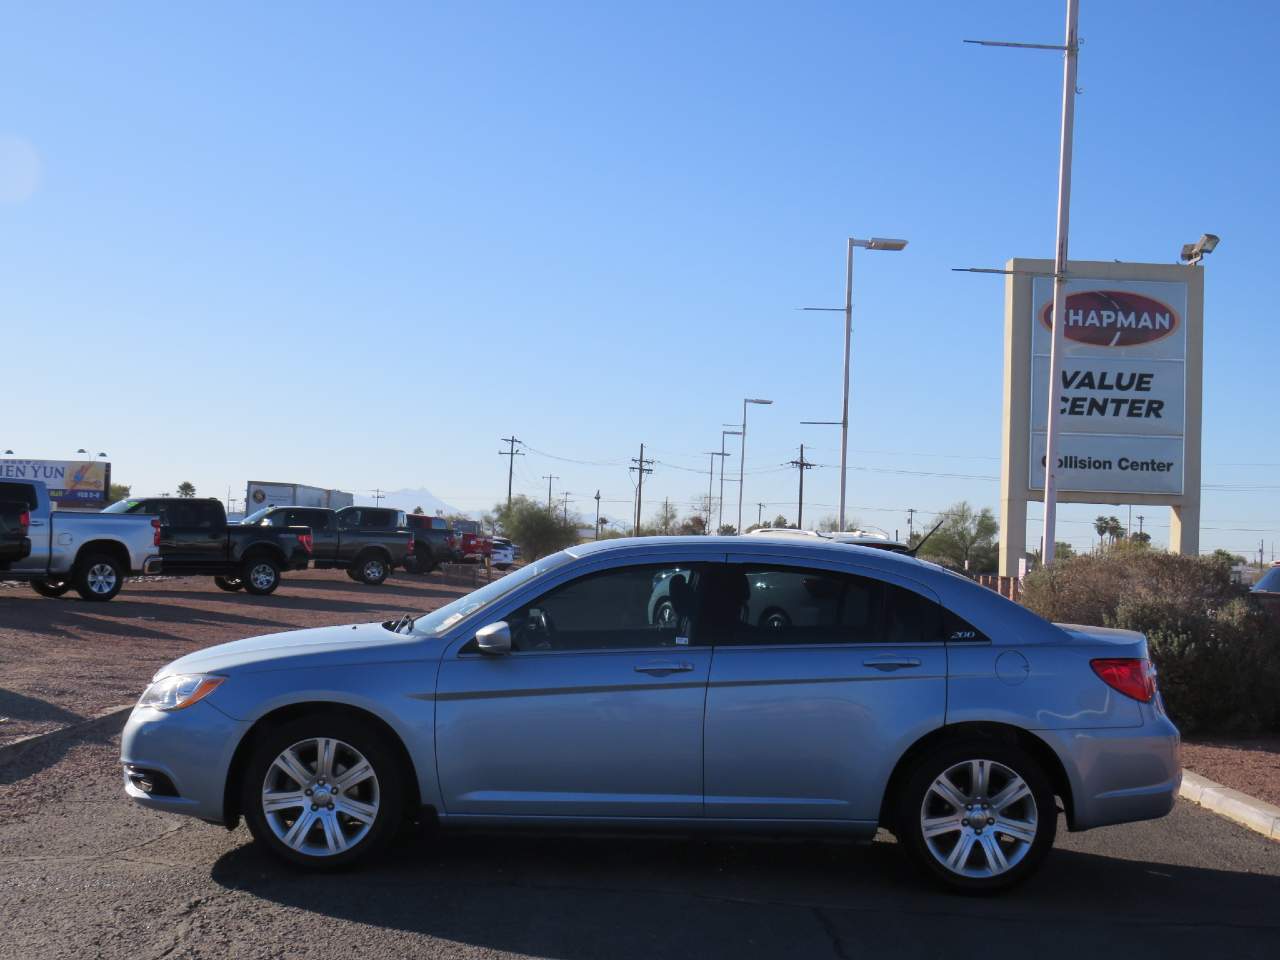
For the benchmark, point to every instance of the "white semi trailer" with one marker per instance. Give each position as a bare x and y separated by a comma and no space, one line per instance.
260,493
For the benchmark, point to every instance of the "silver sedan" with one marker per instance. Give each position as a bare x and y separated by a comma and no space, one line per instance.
791,686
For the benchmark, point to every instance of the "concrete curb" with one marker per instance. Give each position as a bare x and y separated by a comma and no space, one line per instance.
99,721
1257,815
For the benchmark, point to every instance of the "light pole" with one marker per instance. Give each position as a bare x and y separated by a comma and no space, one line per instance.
101,455
720,510
742,461
711,477
597,514
875,243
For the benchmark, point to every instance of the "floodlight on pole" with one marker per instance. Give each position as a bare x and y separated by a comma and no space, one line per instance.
723,454
1193,253
742,457
875,243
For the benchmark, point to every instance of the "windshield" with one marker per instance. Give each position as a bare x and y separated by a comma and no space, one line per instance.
1269,583
438,621
256,515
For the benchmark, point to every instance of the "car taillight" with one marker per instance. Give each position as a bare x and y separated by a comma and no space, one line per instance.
1132,677
410,544
155,533
24,519
305,540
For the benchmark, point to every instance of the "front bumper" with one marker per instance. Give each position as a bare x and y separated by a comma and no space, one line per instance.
186,751
1119,775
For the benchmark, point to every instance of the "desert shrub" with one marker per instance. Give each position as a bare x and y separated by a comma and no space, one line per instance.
1217,654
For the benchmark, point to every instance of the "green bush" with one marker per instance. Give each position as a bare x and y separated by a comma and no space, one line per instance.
1217,654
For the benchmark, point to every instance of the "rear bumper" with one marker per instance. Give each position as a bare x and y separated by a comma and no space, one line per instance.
298,562
1119,775
152,565
187,753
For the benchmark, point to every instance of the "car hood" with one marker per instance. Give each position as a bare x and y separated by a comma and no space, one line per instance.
363,643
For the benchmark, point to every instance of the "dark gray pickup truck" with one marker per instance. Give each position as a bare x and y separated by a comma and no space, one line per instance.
15,521
195,539
367,542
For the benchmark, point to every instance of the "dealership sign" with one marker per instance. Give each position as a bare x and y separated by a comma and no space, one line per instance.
1121,399
83,483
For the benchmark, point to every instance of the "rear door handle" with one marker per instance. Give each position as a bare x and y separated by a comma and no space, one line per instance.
890,662
661,668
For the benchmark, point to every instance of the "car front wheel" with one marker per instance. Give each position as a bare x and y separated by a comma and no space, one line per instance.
977,816
261,576
322,791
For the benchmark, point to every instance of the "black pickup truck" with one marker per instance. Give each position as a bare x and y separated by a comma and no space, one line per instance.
15,544
367,542
195,539
434,543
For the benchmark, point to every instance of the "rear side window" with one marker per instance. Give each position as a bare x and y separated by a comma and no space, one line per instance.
757,605
377,519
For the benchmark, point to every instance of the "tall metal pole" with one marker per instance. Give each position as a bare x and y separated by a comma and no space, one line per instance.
844,409
742,463
1060,281
511,467
720,502
597,514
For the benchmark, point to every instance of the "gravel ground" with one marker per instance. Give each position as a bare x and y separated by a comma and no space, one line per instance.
1250,766
67,659
85,873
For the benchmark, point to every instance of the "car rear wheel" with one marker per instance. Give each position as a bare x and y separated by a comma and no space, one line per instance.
372,569
322,791
51,588
98,577
261,576
977,816
229,584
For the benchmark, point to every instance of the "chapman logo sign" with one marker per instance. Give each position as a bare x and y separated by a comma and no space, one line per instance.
1114,318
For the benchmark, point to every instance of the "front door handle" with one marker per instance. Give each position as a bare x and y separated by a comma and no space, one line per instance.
890,662
661,668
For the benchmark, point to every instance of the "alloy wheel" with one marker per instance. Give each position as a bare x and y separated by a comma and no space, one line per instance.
979,819
320,797
373,570
262,575
101,578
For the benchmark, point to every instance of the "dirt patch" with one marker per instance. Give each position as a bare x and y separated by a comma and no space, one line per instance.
67,659
1250,766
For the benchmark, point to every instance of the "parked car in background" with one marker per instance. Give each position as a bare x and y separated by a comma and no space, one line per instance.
1267,591
897,695
15,521
434,543
73,549
474,547
367,542
502,554
195,539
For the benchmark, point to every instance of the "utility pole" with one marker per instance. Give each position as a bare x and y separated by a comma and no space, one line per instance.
802,465
378,496
759,512
511,465
597,514
1140,519
711,475
565,503
642,466
911,513
1070,49
549,477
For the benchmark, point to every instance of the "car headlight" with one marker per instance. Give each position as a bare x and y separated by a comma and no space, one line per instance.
178,691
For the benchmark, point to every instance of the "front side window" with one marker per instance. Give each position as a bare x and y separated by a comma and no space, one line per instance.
763,605
628,608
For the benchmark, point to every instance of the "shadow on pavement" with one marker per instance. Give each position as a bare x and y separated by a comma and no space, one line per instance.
17,706
580,899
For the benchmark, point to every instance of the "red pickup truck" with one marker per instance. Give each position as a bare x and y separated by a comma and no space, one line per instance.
475,547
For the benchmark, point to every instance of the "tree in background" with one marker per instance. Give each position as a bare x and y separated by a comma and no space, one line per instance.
666,521
1225,557
966,540
692,526
1061,551
186,489
727,530
419,511
119,491
1140,537
537,530
1108,528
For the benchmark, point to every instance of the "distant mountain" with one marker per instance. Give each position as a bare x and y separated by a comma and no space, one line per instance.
406,500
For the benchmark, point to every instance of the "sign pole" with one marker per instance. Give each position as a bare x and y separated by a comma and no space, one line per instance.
1060,281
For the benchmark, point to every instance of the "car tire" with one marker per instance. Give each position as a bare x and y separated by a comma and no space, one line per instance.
229,584
372,569
51,588
976,816
98,577
353,573
345,825
261,575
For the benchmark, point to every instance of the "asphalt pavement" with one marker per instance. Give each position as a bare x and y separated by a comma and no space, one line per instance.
84,873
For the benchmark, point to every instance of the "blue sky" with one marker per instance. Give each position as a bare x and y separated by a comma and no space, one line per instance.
354,245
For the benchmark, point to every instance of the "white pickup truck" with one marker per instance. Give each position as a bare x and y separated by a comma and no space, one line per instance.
92,552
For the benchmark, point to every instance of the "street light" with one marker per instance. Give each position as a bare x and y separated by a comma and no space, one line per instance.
1193,253
720,508
875,243
742,461
86,453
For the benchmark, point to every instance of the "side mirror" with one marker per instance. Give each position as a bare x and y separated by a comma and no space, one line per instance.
494,639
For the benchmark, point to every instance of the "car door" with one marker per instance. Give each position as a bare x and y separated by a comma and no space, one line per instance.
596,712
820,681
191,534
